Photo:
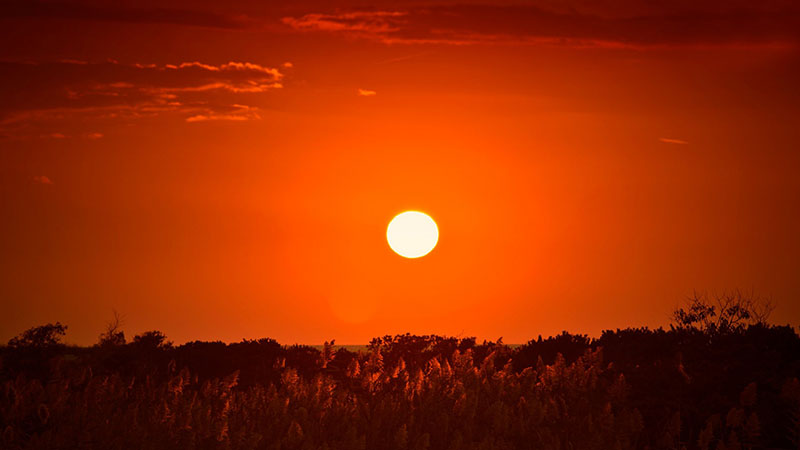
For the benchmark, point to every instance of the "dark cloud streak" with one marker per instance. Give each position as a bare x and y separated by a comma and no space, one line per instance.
608,23
526,24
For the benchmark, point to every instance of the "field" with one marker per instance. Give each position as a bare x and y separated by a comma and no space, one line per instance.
693,387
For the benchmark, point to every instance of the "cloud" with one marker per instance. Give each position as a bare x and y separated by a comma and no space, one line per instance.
41,179
237,113
575,23
368,22
366,93
636,24
673,141
48,94
208,117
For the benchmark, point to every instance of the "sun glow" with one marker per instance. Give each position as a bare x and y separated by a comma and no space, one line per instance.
412,234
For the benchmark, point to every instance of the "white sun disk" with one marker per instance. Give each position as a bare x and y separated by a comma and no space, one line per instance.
412,234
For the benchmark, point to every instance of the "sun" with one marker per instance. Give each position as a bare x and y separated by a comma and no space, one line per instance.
412,234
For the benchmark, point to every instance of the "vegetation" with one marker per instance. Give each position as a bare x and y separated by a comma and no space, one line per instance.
43,337
699,385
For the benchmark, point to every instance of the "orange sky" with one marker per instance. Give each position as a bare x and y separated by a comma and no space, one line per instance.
215,172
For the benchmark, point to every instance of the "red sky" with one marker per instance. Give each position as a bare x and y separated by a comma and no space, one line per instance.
214,170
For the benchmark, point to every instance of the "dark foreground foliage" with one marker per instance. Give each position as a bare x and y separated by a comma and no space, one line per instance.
693,387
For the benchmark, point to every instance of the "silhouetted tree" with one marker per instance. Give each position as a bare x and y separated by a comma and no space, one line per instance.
44,336
113,336
570,346
727,313
152,340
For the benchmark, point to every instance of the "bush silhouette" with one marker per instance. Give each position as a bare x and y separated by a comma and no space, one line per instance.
151,340
41,337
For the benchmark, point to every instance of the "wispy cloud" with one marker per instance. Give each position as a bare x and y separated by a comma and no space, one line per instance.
579,24
38,95
369,22
637,24
673,141
237,113
366,93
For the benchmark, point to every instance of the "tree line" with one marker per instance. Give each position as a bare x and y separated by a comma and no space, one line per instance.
720,377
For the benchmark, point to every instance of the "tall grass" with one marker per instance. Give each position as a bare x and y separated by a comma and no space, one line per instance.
450,404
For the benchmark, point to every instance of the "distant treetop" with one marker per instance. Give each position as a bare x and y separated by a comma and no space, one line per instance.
44,336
